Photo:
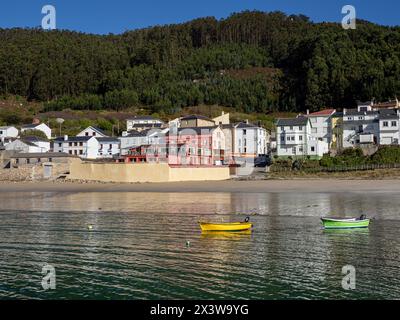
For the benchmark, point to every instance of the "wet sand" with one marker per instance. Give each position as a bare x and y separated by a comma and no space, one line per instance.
301,186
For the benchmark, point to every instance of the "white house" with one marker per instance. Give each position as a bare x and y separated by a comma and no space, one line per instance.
41,127
29,145
92,132
88,147
360,127
84,147
108,147
245,140
8,132
294,139
140,123
321,124
389,127
146,137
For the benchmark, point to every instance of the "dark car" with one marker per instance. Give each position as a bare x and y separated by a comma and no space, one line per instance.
262,161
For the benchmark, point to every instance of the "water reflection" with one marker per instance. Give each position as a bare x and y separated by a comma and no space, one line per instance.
380,206
137,248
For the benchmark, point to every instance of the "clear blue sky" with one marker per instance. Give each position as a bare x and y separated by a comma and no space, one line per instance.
117,16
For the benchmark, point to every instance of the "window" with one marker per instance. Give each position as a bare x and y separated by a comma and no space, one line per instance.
291,128
282,138
110,146
81,144
293,138
81,152
301,128
300,138
94,134
385,123
86,134
394,123
70,144
312,149
101,147
76,152
60,145
50,159
244,132
294,150
288,138
28,161
70,151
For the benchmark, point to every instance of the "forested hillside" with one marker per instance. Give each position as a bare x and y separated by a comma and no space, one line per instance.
251,61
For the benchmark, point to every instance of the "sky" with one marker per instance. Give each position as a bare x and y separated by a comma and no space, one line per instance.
118,16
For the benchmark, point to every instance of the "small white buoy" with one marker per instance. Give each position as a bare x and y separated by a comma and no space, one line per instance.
90,227
188,243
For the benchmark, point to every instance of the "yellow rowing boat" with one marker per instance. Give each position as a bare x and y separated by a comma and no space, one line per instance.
229,226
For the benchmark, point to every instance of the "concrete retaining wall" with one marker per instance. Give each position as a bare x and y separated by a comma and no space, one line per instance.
144,172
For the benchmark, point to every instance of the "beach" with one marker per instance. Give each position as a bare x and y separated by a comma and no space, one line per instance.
231,186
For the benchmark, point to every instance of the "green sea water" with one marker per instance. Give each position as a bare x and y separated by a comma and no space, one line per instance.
149,246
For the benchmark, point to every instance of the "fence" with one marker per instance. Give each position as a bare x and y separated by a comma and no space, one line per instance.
362,167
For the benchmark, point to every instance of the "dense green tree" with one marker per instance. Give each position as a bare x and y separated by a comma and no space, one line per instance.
250,61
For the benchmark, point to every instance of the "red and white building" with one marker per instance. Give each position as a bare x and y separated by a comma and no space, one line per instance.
193,146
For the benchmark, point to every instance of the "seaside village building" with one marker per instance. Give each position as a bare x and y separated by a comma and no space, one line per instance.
91,143
194,140
37,126
295,139
141,123
329,130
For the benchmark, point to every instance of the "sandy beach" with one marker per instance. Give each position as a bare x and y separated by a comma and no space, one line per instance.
301,186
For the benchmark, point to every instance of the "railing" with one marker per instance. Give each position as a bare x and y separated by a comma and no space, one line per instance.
362,167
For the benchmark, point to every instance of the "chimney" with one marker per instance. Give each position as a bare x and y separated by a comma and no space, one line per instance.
65,138
308,111
344,111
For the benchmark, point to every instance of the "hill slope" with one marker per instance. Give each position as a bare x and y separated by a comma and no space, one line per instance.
251,61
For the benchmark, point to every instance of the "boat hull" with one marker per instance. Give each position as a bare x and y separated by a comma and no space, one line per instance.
229,227
345,223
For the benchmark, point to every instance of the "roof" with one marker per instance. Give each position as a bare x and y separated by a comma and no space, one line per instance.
195,117
322,113
355,112
74,139
147,125
34,139
42,155
196,130
142,118
98,130
242,125
300,121
134,133
107,139
29,126
388,116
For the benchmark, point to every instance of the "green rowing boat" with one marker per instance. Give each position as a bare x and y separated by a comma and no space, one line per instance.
349,223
